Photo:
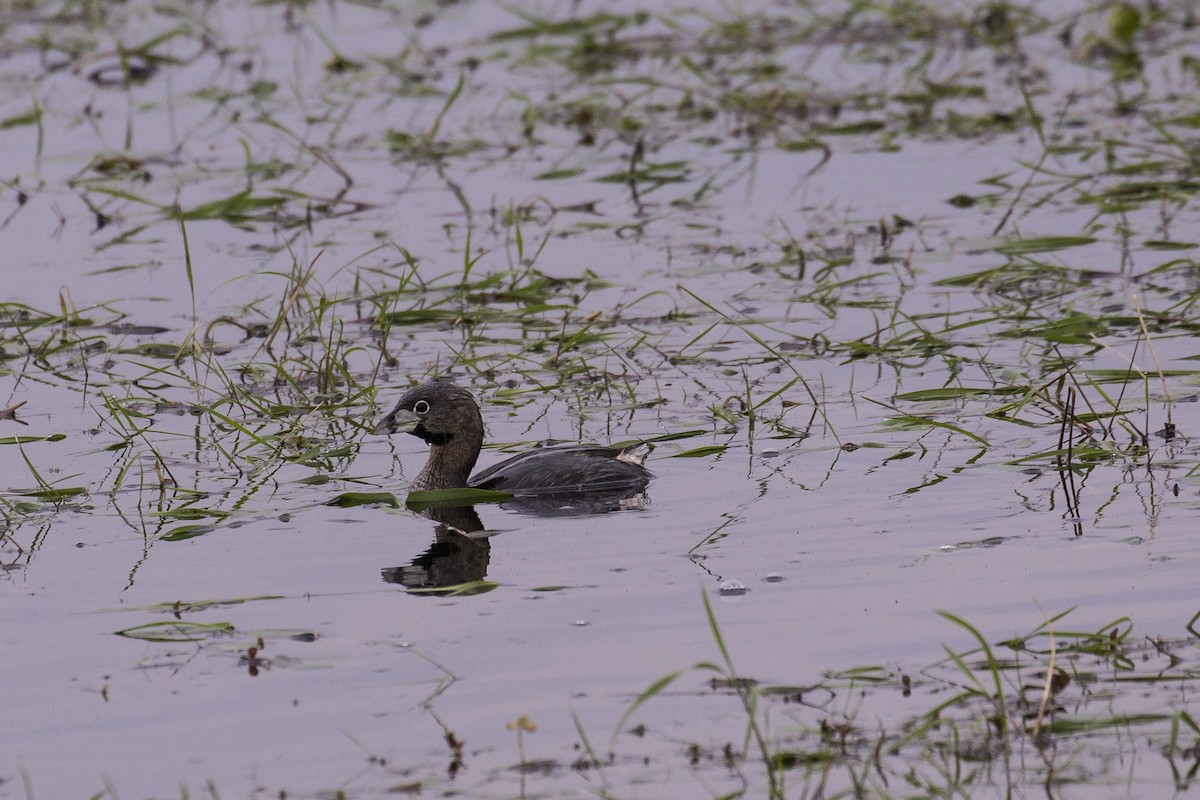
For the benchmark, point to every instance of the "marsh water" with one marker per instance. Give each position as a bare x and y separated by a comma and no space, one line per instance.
903,294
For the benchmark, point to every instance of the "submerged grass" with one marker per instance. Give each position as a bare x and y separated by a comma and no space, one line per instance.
1040,305
1022,708
984,330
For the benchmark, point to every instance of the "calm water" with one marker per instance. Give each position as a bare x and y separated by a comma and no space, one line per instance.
845,553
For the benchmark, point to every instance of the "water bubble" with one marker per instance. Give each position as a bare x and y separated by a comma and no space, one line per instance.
773,577
732,589
581,623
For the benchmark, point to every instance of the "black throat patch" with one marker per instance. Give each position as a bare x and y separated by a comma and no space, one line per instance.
436,439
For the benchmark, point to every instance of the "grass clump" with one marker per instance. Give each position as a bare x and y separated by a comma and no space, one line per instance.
1020,707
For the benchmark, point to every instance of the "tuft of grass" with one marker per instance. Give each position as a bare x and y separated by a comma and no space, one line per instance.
986,707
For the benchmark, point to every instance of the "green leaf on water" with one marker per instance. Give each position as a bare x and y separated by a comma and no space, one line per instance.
1129,375
559,174
238,208
853,129
981,278
152,350
315,480
191,606
181,532
56,495
1117,723
940,91
667,437
1156,244
1042,244
956,393
54,437
700,452
802,145
667,172
1074,329
351,499
30,117
420,316
457,590
177,631
910,421
452,498
189,513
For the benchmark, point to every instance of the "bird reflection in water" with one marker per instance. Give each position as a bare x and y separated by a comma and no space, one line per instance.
461,548
455,557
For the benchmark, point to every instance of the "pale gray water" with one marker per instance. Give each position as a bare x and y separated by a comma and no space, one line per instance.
589,610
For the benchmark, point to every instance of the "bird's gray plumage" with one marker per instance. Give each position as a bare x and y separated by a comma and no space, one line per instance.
448,419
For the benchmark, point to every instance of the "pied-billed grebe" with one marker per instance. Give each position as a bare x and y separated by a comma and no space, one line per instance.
447,418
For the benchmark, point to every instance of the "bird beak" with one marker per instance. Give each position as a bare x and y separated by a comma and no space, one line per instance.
400,420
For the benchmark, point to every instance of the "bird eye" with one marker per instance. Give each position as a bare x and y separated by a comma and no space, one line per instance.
421,407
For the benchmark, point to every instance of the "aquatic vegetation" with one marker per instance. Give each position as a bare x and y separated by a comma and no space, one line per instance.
1005,715
897,289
